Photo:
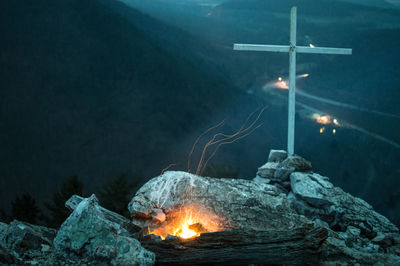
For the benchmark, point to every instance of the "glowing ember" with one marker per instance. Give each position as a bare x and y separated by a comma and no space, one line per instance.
188,222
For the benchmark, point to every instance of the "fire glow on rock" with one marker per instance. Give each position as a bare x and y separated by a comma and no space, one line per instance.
188,222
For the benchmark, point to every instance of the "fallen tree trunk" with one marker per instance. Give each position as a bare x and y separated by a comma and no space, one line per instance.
238,247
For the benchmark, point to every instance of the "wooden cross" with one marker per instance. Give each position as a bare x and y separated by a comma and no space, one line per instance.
292,49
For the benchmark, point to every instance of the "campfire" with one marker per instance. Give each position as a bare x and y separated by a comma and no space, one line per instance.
187,222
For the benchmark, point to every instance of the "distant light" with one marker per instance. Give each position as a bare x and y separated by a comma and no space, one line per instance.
334,131
336,122
303,76
280,78
312,45
324,119
321,130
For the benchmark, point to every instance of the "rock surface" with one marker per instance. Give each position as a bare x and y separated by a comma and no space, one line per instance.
86,235
285,195
357,234
237,203
20,242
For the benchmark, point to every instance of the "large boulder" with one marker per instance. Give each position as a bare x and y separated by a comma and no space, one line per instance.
357,234
88,237
236,203
316,197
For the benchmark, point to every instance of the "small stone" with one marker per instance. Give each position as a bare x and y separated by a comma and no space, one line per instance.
260,179
353,230
283,173
267,170
172,238
383,240
300,164
45,248
319,222
277,156
158,215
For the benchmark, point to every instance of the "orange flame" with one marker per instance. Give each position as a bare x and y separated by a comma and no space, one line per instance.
188,223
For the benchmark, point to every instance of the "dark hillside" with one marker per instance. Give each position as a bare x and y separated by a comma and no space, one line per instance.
85,92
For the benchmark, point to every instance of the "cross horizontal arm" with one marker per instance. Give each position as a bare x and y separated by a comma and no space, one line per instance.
286,48
261,48
323,50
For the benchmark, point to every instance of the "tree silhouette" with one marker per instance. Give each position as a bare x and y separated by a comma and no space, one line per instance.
4,217
115,194
24,209
57,210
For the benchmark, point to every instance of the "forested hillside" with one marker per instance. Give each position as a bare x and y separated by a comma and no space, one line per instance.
84,92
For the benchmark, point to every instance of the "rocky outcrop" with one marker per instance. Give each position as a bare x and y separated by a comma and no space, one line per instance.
88,237
357,234
284,192
236,203
21,242
286,207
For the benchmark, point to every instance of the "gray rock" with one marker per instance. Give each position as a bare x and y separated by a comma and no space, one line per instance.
88,237
267,170
260,179
384,240
283,173
336,251
233,203
316,197
298,163
277,156
22,236
116,218
353,231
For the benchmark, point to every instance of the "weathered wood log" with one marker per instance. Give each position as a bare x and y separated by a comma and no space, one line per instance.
108,215
238,247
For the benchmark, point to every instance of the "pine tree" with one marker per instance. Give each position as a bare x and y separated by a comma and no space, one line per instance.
58,212
115,194
24,209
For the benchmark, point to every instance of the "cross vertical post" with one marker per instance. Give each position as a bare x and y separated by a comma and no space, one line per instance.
292,81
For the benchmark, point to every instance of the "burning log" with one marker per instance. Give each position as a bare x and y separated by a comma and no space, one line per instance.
299,245
245,222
